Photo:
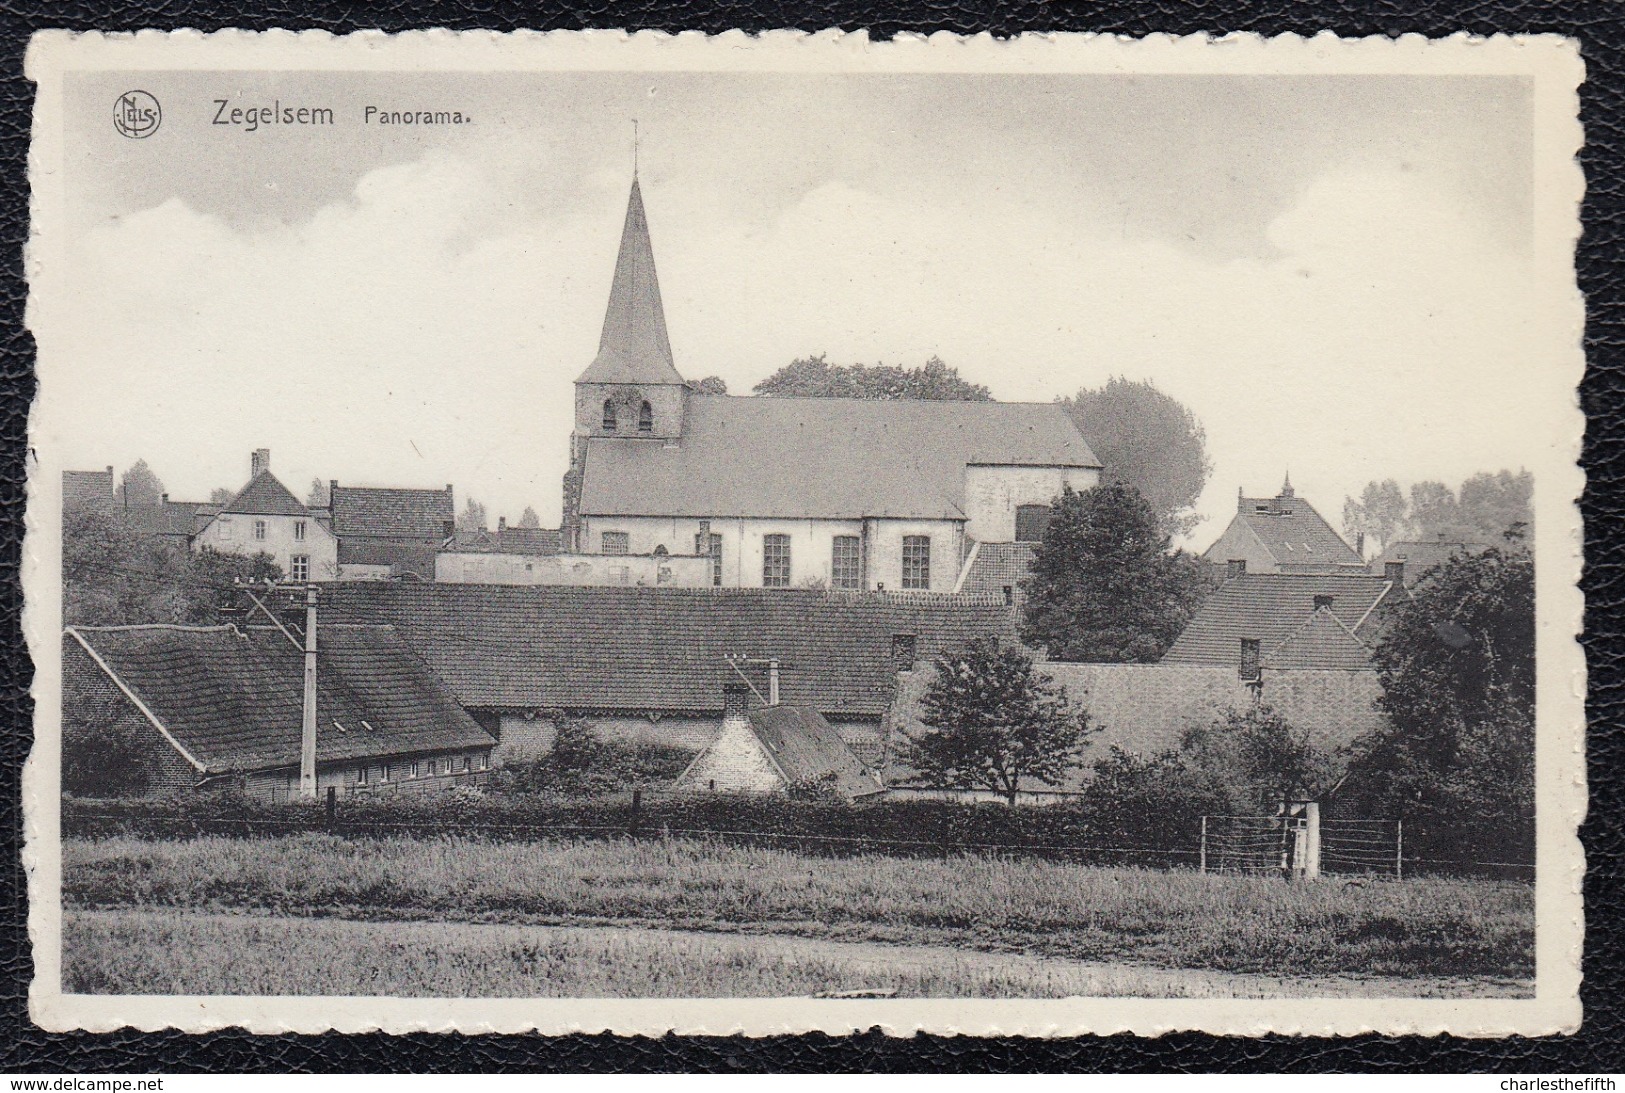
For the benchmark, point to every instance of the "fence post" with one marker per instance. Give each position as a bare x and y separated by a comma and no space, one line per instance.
1202,861
637,807
1311,840
1399,849
332,807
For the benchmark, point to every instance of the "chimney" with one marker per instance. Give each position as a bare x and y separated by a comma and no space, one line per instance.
1359,543
502,524
1241,501
259,463
1394,572
1249,659
1009,595
1235,567
903,649
1323,601
448,528
332,488
163,498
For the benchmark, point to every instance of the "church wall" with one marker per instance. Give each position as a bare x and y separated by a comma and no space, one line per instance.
993,492
886,552
666,400
671,571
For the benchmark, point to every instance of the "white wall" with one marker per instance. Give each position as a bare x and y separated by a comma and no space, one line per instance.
671,571
233,533
993,492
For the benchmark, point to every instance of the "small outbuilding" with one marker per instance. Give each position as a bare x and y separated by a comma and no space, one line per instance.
774,748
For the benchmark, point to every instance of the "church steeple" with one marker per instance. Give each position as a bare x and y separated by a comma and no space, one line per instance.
634,347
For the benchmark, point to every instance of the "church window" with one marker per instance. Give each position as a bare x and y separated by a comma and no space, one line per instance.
646,418
710,543
616,542
916,561
846,563
775,561
609,416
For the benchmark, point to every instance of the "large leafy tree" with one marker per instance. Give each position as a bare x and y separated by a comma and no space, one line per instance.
1457,664
993,722
139,487
815,377
1148,440
529,519
1485,509
472,518
1380,516
710,385
1105,585
318,497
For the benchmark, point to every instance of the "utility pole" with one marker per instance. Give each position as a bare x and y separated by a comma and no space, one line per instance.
307,740
773,681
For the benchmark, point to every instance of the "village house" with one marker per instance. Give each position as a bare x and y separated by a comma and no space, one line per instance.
1282,534
776,750
222,707
663,666
265,518
1422,557
789,492
388,533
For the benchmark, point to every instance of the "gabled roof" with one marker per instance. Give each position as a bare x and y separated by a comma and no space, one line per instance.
234,700
1323,641
1272,607
178,519
633,347
997,566
1422,557
506,540
806,748
392,513
630,648
265,495
817,457
1293,533
82,489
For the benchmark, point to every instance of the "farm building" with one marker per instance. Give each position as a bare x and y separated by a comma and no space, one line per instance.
216,707
775,749
656,665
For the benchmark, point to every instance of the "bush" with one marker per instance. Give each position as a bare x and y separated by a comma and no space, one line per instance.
582,765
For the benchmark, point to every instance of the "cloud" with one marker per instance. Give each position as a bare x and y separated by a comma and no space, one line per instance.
421,331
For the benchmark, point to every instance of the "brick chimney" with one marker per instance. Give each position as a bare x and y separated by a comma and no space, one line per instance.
259,463
1235,567
1394,572
903,652
502,524
1323,601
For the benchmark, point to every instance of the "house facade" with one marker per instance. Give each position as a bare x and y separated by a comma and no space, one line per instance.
389,532
218,707
844,494
1282,534
265,517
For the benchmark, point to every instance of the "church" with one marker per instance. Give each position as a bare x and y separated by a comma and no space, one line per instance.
777,492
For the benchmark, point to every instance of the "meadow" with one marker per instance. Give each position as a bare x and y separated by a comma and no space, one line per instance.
1238,924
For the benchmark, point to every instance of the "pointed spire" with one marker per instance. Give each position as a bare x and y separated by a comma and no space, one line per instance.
634,347
1286,486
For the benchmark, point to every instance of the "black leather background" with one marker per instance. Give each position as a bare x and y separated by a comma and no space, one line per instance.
1600,1046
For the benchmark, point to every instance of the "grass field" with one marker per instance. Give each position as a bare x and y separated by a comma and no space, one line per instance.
182,952
1173,920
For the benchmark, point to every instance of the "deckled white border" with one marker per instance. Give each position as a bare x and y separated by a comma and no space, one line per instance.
1555,67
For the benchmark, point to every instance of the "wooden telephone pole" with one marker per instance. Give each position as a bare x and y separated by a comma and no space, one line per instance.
307,740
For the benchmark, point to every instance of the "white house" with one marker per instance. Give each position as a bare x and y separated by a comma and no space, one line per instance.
786,492
266,518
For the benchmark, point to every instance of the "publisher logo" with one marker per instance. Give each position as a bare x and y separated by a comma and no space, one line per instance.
137,115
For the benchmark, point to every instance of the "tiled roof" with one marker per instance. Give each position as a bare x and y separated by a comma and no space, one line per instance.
630,648
87,488
1422,557
507,540
1323,641
392,513
998,566
265,495
1294,533
174,518
402,558
234,700
807,749
818,457
633,347
1272,607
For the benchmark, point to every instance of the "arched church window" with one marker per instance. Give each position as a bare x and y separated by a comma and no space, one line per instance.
609,416
646,418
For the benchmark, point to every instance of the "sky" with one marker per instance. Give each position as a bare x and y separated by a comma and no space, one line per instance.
1332,272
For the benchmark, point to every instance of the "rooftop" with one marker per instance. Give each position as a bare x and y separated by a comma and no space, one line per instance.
391,513
807,749
1271,608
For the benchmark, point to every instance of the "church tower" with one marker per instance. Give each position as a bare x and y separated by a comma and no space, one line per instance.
632,391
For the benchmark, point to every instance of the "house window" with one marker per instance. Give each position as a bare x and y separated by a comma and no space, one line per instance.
482,761
225,529
360,776
616,542
299,567
384,772
298,531
775,561
1031,520
646,418
846,563
916,561
417,769
609,416
467,764
709,544
620,574
445,765
259,529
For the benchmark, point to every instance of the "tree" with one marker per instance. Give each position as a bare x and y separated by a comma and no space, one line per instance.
992,722
1255,759
1380,514
815,377
1148,440
220,495
710,385
139,487
1493,504
529,519
1457,665
318,497
472,518
103,755
1104,585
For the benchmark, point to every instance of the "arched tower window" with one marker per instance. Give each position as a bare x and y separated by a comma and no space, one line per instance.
609,416
646,418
